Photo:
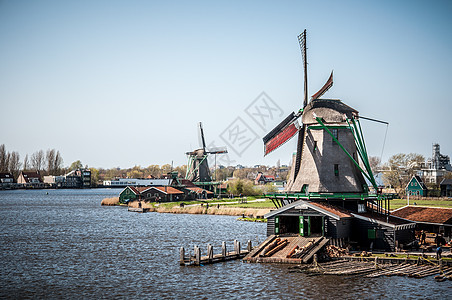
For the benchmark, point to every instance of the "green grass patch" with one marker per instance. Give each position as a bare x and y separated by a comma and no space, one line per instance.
261,204
397,203
253,220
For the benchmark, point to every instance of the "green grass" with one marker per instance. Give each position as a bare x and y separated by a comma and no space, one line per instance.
397,203
264,204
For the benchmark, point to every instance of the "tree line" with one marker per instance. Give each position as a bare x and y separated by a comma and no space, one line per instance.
49,162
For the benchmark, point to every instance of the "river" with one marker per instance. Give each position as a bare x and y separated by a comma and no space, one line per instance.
64,244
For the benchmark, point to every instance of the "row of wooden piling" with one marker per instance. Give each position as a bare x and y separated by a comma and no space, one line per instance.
196,259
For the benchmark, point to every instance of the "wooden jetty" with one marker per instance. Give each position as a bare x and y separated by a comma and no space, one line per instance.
138,209
292,249
197,260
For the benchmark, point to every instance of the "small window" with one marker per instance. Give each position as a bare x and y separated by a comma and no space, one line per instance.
336,170
334,132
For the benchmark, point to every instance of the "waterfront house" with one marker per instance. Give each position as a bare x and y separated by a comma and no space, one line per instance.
131,193
30,179
263,179
6,178
430,219
162,194
416,187
446,187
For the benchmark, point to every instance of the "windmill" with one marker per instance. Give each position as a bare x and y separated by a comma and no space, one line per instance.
331,155
198,167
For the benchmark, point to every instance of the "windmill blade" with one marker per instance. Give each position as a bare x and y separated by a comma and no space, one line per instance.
325,88
202,142
281,133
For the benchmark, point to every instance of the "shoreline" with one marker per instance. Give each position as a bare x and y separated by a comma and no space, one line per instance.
194,209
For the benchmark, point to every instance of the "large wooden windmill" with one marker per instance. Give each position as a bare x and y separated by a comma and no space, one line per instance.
198,167
331,155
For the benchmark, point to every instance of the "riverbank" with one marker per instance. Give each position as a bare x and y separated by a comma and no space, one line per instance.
211,209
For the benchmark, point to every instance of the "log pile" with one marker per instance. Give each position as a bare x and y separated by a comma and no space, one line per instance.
334,251
274,247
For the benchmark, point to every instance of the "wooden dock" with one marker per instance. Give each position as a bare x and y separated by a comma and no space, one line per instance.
197,260
138,209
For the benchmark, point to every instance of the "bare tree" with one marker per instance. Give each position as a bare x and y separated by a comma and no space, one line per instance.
14,163
401,168
26,163
37,160
3,155
375,163
58,162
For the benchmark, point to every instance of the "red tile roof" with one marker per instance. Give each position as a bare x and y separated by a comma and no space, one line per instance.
167,189
340,212
425,214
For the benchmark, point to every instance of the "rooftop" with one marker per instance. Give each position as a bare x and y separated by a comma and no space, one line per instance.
425,214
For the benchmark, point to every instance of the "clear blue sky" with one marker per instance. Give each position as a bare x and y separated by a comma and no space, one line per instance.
124,83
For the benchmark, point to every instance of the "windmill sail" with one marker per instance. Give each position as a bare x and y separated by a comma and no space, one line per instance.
281,133
325,88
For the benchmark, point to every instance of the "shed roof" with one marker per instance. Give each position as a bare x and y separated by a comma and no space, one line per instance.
446,181
329,210
424,214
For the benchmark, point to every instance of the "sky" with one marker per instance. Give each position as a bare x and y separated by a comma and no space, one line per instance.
125,83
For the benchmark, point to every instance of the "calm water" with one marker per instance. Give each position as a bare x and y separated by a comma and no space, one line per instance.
65,245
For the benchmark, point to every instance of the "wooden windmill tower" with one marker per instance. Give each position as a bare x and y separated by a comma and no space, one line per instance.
331,155
198,167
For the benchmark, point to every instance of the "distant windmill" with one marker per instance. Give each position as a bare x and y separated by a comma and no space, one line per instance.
330,144
197,167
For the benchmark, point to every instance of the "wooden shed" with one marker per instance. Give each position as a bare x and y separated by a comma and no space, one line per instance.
364,231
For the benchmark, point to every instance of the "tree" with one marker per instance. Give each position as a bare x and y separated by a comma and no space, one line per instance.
26,163
94,176
375,164
242,186
76,165
401,168
14,164
37,160
54,161
3,159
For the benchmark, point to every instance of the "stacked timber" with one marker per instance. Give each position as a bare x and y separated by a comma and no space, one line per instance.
297,252
274,247
334,251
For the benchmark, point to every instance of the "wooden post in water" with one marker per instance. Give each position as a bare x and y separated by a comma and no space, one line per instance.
249,246
182,256
223,250
210,252
197,256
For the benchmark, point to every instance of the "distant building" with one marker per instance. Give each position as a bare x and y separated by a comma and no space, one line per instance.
123,182
80,178
446,187
436,167
263,179
416,187
6,178
29,178
151,193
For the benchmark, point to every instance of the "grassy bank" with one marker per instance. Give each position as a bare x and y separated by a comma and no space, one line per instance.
446,203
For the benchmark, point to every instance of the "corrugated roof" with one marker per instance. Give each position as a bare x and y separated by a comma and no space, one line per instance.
425,214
